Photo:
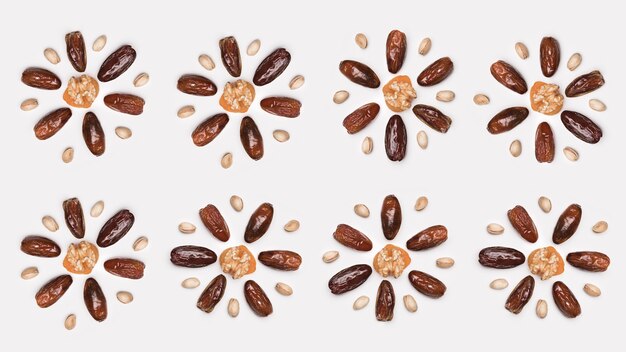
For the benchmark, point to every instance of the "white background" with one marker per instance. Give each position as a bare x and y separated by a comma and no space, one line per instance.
316,177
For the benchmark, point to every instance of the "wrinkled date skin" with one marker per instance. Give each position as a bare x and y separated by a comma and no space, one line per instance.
508,77
395,138
212,294
95,300
436,72
385,301
257,299
259,222
426,284
544,143
231,58
352,238
549,56
567,224
115,228
74,218
590,261
93,134
396,50
125,267
40,246
251,138
281,260
391,216
196,85
521,294
271,67
209,129
359,73
192,256
52,291
214,222
584,84
428,238
52,123
40,78
361,117
76,53
501,257
523,223
125,103
432,117
282,106
581,126
507,119
117,63
565,300
349,278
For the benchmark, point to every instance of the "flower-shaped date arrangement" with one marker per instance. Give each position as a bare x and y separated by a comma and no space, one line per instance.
546,98
543,262
389,262
82,90
398,94
238,95
81,258
237,261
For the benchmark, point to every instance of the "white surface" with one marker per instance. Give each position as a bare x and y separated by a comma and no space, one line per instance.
316,177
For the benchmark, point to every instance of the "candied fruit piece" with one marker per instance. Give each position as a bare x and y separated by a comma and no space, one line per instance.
391,260
237,262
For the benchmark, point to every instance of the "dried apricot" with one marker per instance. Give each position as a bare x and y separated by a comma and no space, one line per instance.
237,261
237,96
81,91
399,93
391,260
81,258
546,262
546,98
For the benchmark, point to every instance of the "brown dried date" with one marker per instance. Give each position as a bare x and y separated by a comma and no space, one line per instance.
251,138
209,129
565,300
396,50
385,301
257,299
428,238
192,256
567,224
231,58
76,53
584,84
359,73
74,218
281,106
507,119
581,126
544,143
125,103
521,294
259,223
523,223
93,134
508,77
271,67
361,117
196,85
349,278
117,63
95,300
52,123
436,72
590,261
426,284
501,257
53,290
214,222
115,228
352,238
125,267
391,216
40,246
432,117
395,138
281,260
40,78
549,56
212,294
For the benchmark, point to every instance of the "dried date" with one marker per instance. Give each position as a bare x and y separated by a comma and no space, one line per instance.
74,218
544,143
359,73
125,267
349,278
76,53
259,223
507,119
590,261
428,238
395,138
231,58
549,56
565,300
212,294
214,222
40,246
117,63
271,67
52,123
192,256
432,117
426,284
396,50
257,299
581,126
436,72
281,260
93,134
584,84
40,78
361,117
523,223
53,290
567,224
391,216
115,228
385,301
251,138
521,294
125,103
506,75
501,257
196,85
209,129
95,300
282,106
352,238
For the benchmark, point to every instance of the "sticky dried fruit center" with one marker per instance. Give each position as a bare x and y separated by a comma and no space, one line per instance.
81,257
81,91
237,261
546,98
237,96
545,262
391,261
399,93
